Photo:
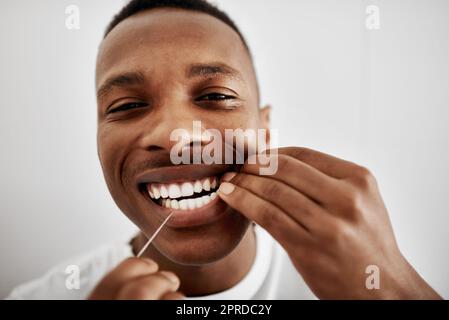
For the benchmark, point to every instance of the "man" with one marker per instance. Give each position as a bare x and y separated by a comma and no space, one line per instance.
161,66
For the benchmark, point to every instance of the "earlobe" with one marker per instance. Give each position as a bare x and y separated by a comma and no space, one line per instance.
264,114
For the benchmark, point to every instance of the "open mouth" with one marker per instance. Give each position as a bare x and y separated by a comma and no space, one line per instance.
187,191
185,195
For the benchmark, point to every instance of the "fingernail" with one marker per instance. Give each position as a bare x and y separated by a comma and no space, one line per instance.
226,188
228,176
171,276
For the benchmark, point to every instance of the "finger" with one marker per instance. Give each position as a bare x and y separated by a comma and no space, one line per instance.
280,225
330,165
130,268
300,176
294,203
173,296
149,287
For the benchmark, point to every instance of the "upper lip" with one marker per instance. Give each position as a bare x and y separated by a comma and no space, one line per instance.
179,173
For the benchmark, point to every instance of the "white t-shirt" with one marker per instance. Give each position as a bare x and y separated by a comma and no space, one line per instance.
272,275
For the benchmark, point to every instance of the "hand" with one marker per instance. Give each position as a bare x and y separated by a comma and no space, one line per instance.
329,216
137,279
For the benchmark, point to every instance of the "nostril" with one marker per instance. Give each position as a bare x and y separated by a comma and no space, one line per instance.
154,148
195,143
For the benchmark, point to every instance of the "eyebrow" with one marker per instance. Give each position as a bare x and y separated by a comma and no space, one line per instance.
196,70
212,69
121,80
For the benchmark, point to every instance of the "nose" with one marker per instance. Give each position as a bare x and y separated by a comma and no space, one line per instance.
173,125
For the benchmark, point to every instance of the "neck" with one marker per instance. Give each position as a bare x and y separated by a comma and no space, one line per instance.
210,278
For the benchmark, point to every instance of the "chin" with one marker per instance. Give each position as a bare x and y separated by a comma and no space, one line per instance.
201,229
203,244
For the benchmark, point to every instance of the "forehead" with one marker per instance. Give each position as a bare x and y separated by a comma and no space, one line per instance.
170,38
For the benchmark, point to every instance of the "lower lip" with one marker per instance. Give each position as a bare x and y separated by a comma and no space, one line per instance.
207,214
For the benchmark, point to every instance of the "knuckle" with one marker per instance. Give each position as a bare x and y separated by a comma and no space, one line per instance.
363,178
352,202
284,162
272,188
238,179
242,180
355,202
251,164
297,152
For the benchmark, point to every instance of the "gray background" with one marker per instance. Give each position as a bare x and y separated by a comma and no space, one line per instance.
379,98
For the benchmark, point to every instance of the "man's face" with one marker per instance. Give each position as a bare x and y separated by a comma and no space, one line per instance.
158,71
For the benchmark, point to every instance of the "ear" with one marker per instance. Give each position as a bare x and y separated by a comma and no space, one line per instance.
264,116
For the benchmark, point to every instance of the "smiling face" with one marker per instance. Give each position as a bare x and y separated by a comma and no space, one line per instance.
158,71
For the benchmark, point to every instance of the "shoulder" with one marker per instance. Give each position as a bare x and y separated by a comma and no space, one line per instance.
75,277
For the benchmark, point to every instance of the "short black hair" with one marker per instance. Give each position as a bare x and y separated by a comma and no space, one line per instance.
136,6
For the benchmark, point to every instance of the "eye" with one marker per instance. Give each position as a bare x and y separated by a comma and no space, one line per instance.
214,97
127,106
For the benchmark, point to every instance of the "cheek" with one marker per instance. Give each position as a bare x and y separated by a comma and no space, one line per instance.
104,146
113,144
110,144
245,125
244,118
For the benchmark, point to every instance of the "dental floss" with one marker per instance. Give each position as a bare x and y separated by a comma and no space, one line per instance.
153,236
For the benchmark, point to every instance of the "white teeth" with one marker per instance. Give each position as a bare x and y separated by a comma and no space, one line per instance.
206,184
174,191
183,204
199,202
164,191
191,204
174,204
213,184
197,187
188,204
156,192
206,199
171,192
186,189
